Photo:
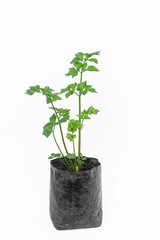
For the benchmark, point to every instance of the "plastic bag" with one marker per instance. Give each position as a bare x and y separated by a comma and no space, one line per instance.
76,197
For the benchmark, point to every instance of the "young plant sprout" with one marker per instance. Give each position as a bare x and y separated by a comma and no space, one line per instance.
82,62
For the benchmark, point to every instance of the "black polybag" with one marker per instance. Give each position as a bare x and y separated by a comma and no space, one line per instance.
76,197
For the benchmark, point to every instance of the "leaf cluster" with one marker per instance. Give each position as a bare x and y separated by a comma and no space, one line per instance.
80,160
47,91
80,63
80,88
85,113
63,115
73,125
84,88
69,90
55,155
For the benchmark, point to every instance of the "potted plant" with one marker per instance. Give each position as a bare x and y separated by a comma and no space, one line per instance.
75,180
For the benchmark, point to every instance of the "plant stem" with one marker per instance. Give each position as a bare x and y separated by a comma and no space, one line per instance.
61,153
75,157
79,132
71,164
60,128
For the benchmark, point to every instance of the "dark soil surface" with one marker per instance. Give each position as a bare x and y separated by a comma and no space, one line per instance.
88,164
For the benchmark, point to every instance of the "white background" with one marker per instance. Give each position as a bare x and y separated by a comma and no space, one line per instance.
38,38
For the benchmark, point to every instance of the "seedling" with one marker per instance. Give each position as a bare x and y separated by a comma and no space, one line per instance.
82,62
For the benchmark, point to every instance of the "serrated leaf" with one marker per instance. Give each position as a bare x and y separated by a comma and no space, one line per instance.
70,155
81,86
77,65
74,60
73,125
81,160
30,91
92,110
68,94
63,90
72,86
47,91
65,118
62,111
33,89
53,98
70,136
47,129
93,60
84,67
88,88
79,55
46,133
92,68
55,155
72,72
70,89
52,119
86,117
88,55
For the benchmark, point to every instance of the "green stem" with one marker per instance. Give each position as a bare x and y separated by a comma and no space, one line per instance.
79,132
71,164
61,153
60,128
76,168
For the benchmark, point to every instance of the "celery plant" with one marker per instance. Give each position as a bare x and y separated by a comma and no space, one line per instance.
82,62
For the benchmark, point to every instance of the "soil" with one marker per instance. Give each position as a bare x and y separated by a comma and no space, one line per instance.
88,164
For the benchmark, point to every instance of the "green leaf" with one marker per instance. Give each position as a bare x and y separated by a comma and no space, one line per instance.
74,60
53,98
92,110
88,88
52,118
92,68
77,65
47,91
65,118
70,136
84,116
70,89
56,97
79,55
81,160
93,60
70,155
55,155
73,125
88,55
81,86
47,129
72,86
72,72
63,90
33,89
85,113
49,100
68,94
84,67
62,111
64,114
